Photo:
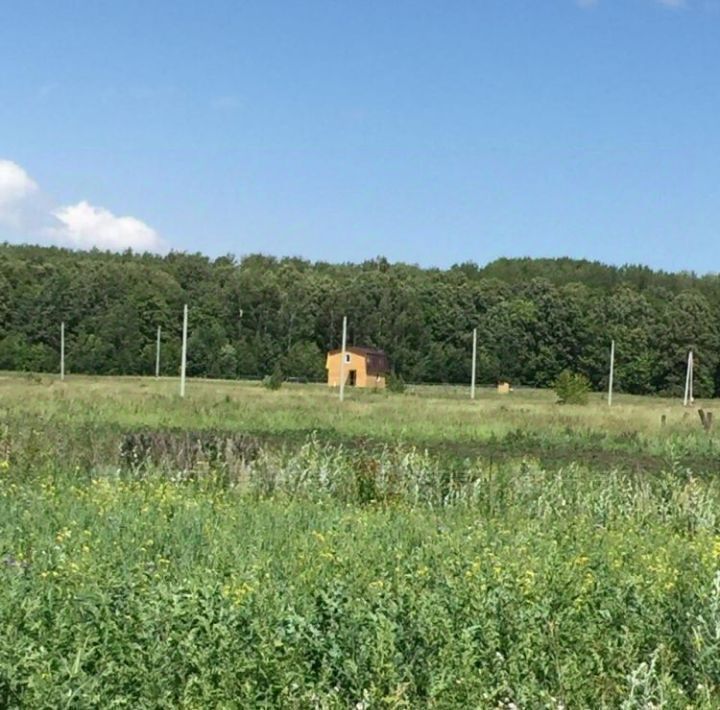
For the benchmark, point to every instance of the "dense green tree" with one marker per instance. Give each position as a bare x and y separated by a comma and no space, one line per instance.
304,360
205,351
535,317
5,304
632,323
688,322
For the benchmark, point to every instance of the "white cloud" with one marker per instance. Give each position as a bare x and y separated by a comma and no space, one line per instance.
29,213
16,187
86,226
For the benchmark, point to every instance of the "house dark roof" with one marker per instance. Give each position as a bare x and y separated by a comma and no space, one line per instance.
377,361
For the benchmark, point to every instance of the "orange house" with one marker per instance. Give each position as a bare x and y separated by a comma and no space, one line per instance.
363,367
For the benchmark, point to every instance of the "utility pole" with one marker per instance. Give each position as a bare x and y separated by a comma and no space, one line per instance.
688,399
157,354
692,377
183,362
342,359
474,364
612,373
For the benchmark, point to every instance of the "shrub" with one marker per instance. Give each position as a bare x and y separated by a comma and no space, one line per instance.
572,388
395,383
274,381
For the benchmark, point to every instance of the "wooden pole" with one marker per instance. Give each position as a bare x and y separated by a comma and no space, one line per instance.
183,362
692,376
157,354
612,373
474,365
687,399
62,350
342,359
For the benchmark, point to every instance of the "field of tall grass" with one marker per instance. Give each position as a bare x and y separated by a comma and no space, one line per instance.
247,548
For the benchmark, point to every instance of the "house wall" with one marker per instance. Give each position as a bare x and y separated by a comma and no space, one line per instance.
376,381
357,363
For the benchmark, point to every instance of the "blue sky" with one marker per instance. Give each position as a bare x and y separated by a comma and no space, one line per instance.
428,132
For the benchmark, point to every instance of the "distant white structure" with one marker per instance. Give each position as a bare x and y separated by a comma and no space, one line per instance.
157,354
689,399
342,359
183,361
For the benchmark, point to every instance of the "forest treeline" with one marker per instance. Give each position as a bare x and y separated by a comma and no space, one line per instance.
536,317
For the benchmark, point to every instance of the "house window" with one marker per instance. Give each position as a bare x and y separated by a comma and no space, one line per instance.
347,357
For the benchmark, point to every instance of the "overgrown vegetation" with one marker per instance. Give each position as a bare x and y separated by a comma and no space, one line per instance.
395,383
211,552
536,318
572,388
274,380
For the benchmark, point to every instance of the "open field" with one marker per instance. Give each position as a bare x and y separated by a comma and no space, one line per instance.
245,548
435,417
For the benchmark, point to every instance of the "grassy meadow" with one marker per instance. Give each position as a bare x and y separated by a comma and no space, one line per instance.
250,548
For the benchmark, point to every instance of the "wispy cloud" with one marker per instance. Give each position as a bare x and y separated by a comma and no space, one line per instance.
27,212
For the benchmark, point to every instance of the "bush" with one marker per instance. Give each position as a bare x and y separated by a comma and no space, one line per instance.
395,383
572,388
274,381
